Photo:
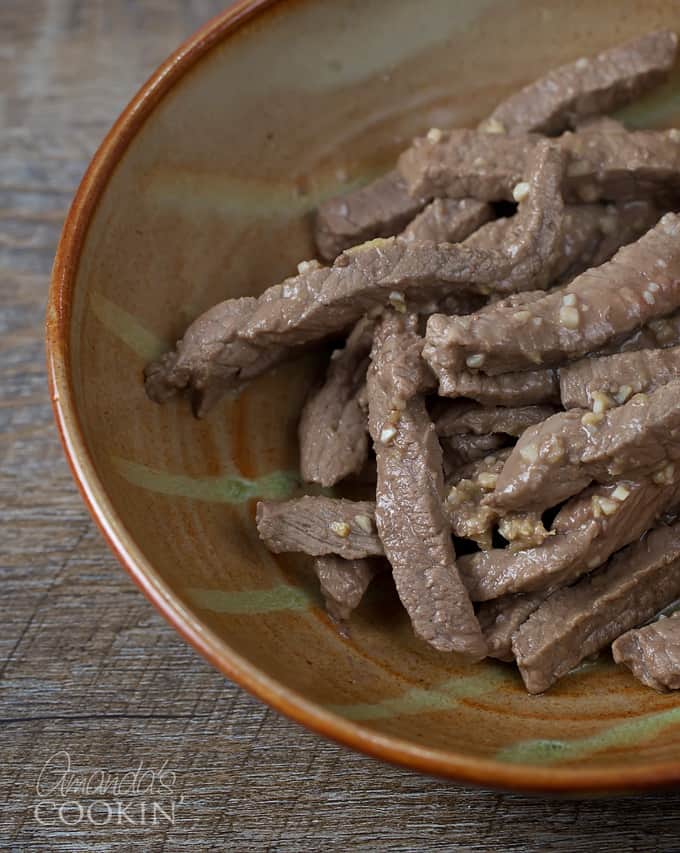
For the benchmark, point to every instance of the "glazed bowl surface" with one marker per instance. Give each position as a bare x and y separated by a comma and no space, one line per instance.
203,190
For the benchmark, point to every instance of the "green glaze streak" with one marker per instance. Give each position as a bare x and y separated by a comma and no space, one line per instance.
628,733
255,601
127,328
226,489
420,701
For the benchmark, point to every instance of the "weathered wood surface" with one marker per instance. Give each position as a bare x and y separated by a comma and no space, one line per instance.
86,665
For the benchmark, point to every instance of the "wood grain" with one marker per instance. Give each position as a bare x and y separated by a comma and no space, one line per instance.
86,665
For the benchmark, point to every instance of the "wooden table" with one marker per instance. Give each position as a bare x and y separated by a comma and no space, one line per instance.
88,670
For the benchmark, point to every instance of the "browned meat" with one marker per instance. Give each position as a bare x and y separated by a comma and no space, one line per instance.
587,87
652,653
320,302
579,621
211,357
461,450
587,531
447,220
319,526
525,388
465,417
625,166
621,224
640,283
501,618
333,430
409,493
618,376
380,209
343,583
556,459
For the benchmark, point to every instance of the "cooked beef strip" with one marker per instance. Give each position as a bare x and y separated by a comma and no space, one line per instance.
447,220
319,526
652,653
640,283
525,388
625,166
621,224
379,209
588,529
409,493
333,432
461,450
618,376
320,302
501,618
587,87
579,621
344,582
465,417
599,123
556,459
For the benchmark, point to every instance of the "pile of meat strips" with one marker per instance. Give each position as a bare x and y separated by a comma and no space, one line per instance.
515,376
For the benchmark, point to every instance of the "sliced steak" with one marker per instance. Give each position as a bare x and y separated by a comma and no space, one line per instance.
501,618
461,450
604,166
333,430
447,220
639,284
465,417
411,523
557,458
652,653
588,529
577,622
379,209
320,302
343,583
618,376
587,87
319,526
525,388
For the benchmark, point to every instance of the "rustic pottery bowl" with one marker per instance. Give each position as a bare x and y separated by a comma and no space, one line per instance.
203,190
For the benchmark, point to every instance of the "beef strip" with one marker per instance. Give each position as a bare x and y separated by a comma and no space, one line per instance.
587,530
556,459
333,431
460,450
471,519
343,583
501,618
319,526
320,302
618,376
579,621
525,388
640,283
447,220
466,417
652,653
604,166
587,87
379,209
409,492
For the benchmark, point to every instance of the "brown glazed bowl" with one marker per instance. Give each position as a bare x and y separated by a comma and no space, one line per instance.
203,190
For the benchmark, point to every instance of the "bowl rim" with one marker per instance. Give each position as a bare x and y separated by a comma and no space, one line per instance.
438,762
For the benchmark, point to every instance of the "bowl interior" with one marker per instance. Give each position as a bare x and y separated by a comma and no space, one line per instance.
211,200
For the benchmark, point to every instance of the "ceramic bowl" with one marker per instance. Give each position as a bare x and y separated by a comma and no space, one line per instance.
203,190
